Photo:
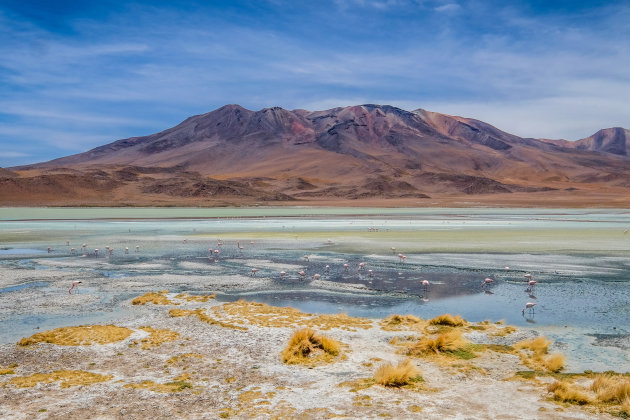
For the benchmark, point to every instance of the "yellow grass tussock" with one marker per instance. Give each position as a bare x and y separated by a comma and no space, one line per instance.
66,378
611,388
307,347
554,363
402,322
84,335
538,345
625,407
448,320
446,342
155,298
399,375
567,392
178,385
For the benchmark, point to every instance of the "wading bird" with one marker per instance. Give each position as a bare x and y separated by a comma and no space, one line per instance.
74,284
425,285
316,276
529,306
486,282
254,271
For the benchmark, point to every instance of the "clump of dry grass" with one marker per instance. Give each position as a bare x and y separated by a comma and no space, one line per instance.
625,407
66,378
201,314
157,337
155,298
76,336
538,345
448,320
401,322
402,374
554,363
537,359
611,389
195,298
567,392
446,342
307,347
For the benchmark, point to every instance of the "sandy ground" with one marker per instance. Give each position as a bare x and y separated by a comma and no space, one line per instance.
238,373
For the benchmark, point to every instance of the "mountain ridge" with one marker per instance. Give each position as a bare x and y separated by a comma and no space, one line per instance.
344,153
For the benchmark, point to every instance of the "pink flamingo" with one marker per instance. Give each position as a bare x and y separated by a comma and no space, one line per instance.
530,306
302,273
74,284
72,250
254,271
371,273
393,250
345,268
425,284
306,258
316,276
238,245
283,273
402,257
137,248
96,252
361,265
49,249
327,268
126,250
486,282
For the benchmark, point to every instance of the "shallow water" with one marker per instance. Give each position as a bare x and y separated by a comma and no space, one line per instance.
580,258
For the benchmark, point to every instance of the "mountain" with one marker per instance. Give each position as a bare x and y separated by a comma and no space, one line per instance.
370,152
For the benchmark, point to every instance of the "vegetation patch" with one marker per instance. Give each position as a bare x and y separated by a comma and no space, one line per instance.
263,315
202,316
449,343
84,335
307,347
66,378
177,385
158,298
533,353
567,392
404,373
448,320
156,337
402,323
195,298
184,357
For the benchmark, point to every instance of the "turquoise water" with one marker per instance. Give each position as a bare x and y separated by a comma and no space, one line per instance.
580,258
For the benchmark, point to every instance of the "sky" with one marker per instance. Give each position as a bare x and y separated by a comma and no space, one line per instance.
76,74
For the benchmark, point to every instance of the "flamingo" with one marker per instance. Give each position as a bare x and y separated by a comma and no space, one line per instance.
329,241
185,240
74,284
72,250
283,273
251,242
361,265
126,250
254,270
306,258
402,257
528,276
371,273
327,268
393,249
345,268
67,243
507,268
83,246
238,245
301,273
96,252
529,306
137,248
316,276
49,249
486,282
216,252
425,284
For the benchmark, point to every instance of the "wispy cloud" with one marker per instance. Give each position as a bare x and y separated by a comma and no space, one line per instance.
141,68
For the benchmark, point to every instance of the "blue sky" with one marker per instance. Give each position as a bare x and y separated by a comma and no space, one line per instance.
78,74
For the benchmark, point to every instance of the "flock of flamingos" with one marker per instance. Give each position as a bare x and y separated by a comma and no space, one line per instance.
214,255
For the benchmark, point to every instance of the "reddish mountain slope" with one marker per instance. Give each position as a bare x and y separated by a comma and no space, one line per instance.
358,152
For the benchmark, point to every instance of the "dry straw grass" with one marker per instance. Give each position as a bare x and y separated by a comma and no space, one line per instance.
534,355
402,322
307,347
84,335
611,388
449,342
177,385
263,315
155,298
66,378
202,316
195,298
567,392
404,373
157,337
448,320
